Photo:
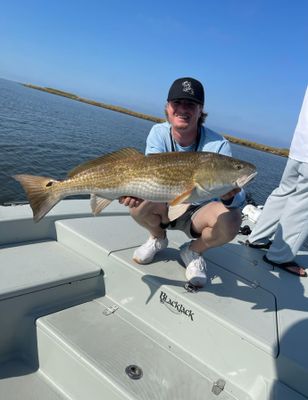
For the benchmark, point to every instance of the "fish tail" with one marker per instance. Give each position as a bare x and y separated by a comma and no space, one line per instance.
40,193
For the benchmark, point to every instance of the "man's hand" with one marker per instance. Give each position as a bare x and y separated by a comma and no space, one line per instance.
231,194
130,202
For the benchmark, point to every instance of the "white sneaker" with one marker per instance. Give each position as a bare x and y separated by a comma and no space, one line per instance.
195,266
145,253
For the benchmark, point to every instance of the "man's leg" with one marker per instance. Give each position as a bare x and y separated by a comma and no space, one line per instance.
150,215
216,224
293,225
275,204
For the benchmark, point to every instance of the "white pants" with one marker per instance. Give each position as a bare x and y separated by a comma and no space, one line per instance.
285,214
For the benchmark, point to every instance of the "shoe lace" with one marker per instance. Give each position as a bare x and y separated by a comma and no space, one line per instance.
198,261
153,243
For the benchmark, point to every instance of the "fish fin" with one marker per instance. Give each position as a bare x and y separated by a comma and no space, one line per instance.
206,194
39,193
175,212
127,152
98,204
182,197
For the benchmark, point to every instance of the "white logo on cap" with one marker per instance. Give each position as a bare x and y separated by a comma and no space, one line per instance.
187,88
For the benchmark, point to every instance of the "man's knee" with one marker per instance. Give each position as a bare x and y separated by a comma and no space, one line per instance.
231,223
147,209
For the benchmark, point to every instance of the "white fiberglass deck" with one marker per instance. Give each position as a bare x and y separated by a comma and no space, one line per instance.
76,311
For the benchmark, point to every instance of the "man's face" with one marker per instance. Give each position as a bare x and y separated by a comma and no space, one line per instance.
183,114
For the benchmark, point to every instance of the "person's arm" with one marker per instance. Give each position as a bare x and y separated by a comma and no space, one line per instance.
234,199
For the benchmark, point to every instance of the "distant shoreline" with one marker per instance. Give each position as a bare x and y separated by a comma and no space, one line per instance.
232,139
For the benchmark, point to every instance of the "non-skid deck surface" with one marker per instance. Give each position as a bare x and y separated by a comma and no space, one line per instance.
103,346
35,266
26,384
234,299
265,306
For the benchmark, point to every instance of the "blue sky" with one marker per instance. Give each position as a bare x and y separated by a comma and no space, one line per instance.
251,55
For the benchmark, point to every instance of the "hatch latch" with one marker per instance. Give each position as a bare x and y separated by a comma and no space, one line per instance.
218,386
110,310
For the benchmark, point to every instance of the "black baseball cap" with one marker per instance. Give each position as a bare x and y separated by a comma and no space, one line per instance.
188,89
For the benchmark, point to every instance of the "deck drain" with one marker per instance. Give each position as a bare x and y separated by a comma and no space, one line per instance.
134,372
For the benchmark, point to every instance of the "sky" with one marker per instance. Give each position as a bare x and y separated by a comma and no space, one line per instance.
250,55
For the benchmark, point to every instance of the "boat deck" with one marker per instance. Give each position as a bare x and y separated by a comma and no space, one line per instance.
82,320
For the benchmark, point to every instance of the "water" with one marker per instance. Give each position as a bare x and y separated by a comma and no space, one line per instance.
44,134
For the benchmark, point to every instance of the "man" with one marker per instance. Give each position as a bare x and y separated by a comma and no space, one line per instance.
285,213
209,224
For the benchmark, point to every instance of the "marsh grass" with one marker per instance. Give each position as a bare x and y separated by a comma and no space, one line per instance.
274,150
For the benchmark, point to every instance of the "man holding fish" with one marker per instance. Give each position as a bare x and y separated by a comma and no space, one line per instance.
209,224
187,166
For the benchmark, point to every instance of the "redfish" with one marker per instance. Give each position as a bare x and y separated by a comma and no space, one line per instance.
174,178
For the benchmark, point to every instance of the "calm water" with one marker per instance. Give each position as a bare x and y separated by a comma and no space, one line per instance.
44,134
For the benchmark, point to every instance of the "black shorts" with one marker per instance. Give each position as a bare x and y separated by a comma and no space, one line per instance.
184,222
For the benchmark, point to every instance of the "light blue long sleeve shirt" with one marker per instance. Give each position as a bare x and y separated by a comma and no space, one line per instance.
159,141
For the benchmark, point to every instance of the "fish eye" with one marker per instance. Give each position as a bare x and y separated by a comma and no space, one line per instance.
49,183
238,166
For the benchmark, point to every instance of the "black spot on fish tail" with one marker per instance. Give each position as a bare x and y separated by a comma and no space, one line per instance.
41,199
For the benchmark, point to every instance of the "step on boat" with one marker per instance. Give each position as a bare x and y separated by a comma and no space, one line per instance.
81,320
